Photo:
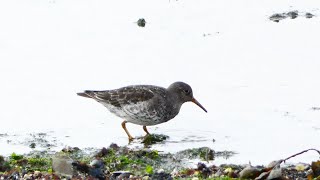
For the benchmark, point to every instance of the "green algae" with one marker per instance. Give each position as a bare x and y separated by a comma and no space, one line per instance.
151,139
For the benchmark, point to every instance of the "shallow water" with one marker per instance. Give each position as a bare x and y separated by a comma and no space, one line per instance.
257,79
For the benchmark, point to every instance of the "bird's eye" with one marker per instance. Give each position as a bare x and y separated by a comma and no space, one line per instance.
186,91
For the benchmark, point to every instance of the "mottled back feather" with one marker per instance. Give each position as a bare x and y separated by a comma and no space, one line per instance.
124,96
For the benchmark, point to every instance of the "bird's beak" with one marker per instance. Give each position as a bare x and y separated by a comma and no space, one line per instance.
197,103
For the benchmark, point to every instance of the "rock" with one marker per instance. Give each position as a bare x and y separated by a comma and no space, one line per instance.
141,22
120,175
309,15
166,176
301,166
151,139
124,175
114,146
32,145
309,174
103,152
160,171
14,175
275,173
37,174
250,173
97,173
277,17
315,166
293,14
70,149
218,173
3,165
204,170
201,166
97,163
273,164
263,176
81,167
174,172
27,176
145,178
62,165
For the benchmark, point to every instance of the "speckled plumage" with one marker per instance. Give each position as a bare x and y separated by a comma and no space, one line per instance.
145,105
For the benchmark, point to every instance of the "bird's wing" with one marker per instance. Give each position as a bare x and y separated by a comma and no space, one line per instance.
122,96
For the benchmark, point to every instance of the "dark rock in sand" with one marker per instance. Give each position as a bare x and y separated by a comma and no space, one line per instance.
141,22
293,14
309,15
277,17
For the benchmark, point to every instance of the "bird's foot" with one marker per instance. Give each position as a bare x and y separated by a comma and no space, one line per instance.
130,138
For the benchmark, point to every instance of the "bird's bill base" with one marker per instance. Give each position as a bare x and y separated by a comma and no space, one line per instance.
197,103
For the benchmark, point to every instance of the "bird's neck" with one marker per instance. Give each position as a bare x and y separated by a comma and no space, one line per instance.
174,104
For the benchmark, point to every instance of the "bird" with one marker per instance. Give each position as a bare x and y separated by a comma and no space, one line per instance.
144,105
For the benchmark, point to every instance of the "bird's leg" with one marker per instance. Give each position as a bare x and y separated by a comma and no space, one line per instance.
125,129
145,130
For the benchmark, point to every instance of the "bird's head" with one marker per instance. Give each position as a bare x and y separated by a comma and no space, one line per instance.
184,93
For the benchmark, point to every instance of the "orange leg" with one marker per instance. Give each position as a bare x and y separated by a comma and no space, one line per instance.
145,130
125,129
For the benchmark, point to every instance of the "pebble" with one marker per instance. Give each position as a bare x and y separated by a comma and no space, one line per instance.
160,171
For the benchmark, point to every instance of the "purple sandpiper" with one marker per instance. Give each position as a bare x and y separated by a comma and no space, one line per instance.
144,105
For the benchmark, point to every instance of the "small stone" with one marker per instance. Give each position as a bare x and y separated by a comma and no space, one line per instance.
201,166
32,145
277,17
97,163
26,176
145,178
160,171
309,15
37,174
103,152
301,167
141,22
114,146
293,14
